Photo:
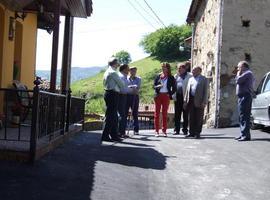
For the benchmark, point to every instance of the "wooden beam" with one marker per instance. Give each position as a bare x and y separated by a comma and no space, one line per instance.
67,54
57,10
16,5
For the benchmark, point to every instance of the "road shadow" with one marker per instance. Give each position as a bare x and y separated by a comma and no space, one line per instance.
261,139
68,171
136,144
265,129
204,138
144,137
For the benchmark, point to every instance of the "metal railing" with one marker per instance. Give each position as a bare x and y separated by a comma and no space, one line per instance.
36,116
145,119
51,115
15,114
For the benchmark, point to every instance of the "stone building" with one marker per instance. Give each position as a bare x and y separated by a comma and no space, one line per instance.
225,32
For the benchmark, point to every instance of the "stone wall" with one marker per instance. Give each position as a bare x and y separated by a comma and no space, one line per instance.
205,48
246,35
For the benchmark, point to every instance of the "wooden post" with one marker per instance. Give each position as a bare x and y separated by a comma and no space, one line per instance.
57,10
68,109
67,54
34,123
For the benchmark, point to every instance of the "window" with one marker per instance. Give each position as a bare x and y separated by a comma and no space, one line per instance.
247,57
246,23
267,84
259,89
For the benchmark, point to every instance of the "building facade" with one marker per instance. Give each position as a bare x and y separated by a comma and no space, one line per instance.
224,33
17,48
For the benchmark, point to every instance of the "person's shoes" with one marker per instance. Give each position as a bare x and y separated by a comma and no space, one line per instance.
189,136
176,133
237,138
117,139
106,140
244,139
185,132
197,137
123,136
156,134
136,133
165,134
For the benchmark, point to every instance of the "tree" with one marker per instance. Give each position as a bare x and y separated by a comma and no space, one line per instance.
164,42
123,57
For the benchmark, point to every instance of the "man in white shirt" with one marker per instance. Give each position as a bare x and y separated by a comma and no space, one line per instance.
112,86
181,77
195,100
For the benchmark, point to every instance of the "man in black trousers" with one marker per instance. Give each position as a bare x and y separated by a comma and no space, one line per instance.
181,78
195,100
112,86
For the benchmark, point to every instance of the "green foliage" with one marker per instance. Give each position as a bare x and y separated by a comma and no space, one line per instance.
164,43
92,87
123,57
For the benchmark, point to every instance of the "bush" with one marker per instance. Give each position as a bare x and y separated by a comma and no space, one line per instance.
164,43
123,57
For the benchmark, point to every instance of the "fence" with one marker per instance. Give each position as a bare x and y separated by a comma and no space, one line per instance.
15,109
32,118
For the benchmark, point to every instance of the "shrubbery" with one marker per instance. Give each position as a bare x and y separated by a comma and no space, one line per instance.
164,43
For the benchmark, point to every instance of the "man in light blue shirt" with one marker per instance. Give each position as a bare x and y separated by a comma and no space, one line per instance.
112,86
123,74
133,97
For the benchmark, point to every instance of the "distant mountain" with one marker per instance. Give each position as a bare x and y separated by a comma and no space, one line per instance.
77,73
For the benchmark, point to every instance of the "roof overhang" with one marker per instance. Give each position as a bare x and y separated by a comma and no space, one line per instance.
45,9
74,8
195,5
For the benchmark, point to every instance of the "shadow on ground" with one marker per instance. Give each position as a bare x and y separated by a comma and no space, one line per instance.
68,172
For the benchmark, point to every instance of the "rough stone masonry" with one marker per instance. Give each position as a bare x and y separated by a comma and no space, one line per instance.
225,32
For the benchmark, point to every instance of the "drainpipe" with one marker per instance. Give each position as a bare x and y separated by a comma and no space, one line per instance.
193,27
218,61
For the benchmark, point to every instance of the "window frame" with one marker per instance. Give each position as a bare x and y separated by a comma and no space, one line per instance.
266,82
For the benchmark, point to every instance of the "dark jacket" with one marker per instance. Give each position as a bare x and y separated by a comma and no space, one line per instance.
171,85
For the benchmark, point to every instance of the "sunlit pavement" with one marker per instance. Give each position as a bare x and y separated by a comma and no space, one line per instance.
145,167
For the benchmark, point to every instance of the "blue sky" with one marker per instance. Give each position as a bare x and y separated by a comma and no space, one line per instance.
113,26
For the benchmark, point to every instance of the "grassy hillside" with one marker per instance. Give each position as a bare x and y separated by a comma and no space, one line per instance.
93,88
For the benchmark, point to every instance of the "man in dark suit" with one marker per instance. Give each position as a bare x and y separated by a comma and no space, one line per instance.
181,78
195,100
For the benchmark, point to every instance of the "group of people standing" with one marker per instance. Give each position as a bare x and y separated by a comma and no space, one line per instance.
121,95
188,90
190,94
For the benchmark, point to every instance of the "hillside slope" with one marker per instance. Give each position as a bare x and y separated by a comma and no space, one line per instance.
77,73
93,88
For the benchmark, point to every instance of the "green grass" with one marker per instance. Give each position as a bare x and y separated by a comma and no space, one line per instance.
92,87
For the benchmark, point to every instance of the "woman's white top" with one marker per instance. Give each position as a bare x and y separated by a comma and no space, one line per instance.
164,88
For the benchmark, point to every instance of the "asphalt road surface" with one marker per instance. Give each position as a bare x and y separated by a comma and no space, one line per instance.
144,167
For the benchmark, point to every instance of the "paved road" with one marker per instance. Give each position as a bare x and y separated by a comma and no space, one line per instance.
146,168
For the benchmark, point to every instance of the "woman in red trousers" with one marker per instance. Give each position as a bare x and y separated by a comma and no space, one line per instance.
165,87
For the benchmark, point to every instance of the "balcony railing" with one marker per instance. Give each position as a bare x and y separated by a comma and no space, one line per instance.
32,119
